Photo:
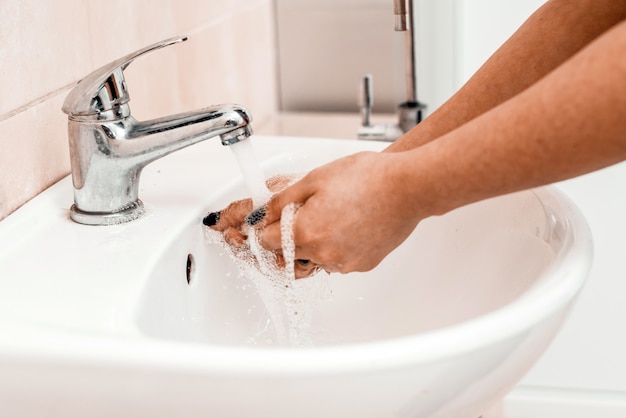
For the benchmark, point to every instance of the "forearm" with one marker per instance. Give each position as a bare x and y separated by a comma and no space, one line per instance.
569,123
548,38
490,141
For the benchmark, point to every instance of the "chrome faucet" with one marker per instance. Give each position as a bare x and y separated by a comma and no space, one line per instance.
410,111
109,148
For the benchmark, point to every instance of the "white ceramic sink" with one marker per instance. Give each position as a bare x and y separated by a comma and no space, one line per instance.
101,321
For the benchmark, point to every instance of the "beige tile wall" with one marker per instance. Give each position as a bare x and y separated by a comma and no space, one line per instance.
46,46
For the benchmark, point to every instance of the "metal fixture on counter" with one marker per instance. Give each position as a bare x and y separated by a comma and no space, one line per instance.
410,111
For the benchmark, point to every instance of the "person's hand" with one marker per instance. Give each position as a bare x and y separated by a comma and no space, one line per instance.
230,222
354,212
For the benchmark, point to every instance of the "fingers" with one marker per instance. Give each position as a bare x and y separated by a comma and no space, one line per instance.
230,222
301,268
304,268
279,182
235,214
230,217
234,237
269,215
307,255
296,193
270,237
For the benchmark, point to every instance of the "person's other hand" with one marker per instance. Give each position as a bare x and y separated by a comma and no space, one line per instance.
230,222
354,212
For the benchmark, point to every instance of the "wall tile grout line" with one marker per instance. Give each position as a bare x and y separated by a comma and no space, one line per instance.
35,102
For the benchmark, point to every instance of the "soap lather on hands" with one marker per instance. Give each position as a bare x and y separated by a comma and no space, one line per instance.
333,228
231,223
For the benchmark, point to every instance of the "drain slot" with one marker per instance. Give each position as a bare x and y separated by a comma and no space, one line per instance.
191,268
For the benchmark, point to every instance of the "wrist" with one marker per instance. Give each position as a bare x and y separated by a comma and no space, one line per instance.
429,186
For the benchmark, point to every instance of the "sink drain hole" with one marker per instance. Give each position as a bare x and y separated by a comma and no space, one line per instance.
191,268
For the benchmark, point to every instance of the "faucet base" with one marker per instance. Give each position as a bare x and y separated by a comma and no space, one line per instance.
409,115
129,213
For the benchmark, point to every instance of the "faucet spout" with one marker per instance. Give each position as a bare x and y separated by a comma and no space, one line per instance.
150,140
109,147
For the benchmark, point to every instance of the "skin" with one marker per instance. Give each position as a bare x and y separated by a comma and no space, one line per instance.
548,105
231,222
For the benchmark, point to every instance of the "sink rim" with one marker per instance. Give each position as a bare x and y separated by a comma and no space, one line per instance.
545,299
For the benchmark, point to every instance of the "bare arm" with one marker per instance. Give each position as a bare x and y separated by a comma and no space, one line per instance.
571,122
358,209
554,33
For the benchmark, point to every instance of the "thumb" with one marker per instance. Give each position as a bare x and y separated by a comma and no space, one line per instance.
298,192
270,214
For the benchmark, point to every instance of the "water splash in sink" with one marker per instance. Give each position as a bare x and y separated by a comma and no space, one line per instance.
289,303
451,320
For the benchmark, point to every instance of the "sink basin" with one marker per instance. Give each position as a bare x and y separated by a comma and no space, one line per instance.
150,319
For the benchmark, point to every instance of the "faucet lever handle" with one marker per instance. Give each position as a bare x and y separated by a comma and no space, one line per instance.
105,88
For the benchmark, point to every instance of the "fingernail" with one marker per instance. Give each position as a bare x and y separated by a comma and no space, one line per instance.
211,219
256,216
